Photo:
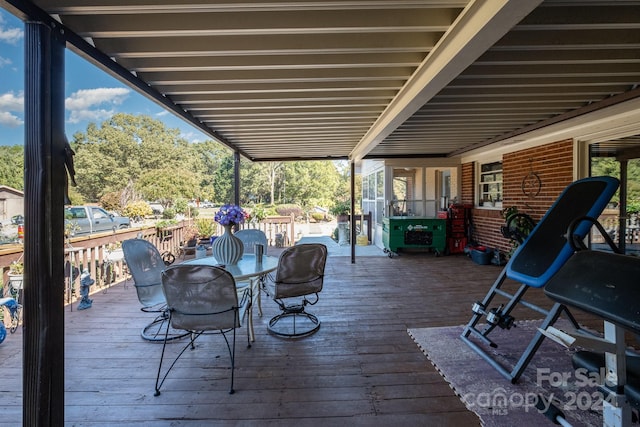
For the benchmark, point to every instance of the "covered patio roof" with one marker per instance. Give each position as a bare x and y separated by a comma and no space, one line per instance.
313,79
307,79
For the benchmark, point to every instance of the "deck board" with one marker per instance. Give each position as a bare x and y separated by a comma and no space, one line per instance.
361,367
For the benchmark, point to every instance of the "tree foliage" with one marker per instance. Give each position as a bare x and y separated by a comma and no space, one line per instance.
12,166
130,158
609,166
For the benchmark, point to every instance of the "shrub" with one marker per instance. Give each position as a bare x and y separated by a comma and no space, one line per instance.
138,209
342,207
257,214
169,213
180,205
317,216
111,201
166,223
195,212
633,206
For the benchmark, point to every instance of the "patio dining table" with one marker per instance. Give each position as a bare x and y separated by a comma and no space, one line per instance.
246,269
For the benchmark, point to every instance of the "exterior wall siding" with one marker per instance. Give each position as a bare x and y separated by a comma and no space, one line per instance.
552,163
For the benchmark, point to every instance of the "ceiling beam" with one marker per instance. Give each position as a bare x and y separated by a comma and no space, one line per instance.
477,28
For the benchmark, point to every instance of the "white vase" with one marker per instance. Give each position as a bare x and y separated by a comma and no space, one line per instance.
227,249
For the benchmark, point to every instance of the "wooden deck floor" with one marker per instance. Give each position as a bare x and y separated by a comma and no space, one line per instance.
361,368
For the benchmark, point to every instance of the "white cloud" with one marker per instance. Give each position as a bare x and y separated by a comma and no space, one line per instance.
10,35
10,120
11,101
78,116
84,104
5,61
162,113
192,137
86,98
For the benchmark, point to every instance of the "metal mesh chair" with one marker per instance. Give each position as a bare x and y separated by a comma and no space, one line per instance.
200,299
300,274
146,265
250,238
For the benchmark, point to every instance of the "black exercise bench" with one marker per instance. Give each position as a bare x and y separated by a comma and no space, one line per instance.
606,285
536,260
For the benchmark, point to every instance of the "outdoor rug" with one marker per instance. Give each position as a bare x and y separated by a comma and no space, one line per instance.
492,397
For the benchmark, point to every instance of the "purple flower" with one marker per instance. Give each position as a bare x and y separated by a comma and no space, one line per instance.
230,215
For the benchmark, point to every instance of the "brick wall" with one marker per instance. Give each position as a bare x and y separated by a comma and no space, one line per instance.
552,163
468,184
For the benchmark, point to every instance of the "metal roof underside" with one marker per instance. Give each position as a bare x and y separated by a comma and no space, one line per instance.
310,79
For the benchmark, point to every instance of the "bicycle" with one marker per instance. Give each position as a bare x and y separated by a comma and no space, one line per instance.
13,306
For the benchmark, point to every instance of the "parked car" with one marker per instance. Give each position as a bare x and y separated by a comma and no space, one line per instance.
92,219
157,208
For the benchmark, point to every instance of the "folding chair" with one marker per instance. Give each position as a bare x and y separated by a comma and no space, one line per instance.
545,250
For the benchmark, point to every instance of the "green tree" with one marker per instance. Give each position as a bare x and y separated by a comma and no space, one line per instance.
223,180
125,147
12,166
209,158
609,166
310,183
166,185
259,180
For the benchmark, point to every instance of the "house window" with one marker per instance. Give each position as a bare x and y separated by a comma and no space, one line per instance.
373,195
490,185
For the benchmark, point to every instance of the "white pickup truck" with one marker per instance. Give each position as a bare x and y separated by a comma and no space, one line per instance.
92,219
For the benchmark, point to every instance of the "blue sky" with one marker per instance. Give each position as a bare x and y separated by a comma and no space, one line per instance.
91,95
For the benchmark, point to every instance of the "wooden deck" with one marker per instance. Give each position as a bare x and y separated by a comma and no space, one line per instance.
361,368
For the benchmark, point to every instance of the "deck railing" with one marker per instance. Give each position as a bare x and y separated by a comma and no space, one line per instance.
280,230
102,256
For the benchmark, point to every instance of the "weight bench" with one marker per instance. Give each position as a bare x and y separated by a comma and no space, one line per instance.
536,260
606,285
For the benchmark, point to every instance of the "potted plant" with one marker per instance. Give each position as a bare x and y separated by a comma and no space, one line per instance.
517,227
341,210
191,234
206,228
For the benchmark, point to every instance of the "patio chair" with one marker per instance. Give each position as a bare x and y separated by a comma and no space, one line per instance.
145,265
187,248
250,238
201,299
536,260
300,274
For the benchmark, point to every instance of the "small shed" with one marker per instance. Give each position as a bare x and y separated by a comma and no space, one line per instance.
11,202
